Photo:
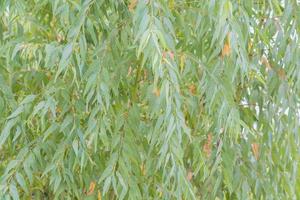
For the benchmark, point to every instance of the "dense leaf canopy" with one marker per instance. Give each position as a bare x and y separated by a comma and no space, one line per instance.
149,99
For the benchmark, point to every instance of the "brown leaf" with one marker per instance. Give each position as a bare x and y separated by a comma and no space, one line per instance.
189,175
48,74
255,150
132,5
192,89
281,74
207,145
145,74
60,38
266,63
129,71
171,54
91,188
168,53
156,92
226,48
58,110
164,54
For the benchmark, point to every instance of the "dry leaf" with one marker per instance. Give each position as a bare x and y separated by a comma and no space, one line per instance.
192,89
125,114
129,71
91,188
207,145
281,74
266,63
49,76
169,53
189,175
60,38
222,130
255,150
58,110
145,74
226,48
156,92
164,54
132,5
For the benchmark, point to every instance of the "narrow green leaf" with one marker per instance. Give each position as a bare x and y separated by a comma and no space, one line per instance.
20,179
13,191
6,131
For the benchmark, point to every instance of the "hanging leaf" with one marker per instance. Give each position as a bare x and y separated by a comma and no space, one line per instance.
208,145
192,89
266,63
143,171
156,92
189,175
255,150
99,197
168,54
281,74
132,5
91,188
226,51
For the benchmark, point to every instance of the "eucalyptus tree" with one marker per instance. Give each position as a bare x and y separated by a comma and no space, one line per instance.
149,99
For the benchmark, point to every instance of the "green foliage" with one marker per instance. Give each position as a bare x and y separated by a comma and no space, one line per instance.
149,99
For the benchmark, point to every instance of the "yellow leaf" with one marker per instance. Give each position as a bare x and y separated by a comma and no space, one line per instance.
129,71
60,38
143,171
132,5
91,188
160,194
226,48
171,4
99,197
182,61
250,45
255,150
145,74
156,92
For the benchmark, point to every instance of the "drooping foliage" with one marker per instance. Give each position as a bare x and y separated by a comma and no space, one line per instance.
149,99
